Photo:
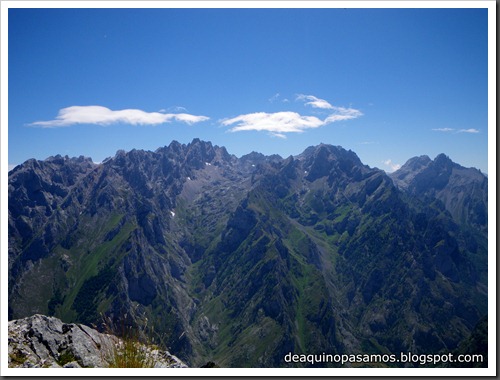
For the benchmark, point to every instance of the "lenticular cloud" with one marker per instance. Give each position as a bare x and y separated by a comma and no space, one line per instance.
104,116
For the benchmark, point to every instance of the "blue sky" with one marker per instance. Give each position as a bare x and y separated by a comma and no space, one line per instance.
389,84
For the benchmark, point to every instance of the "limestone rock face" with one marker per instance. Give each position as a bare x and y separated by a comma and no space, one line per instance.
46,342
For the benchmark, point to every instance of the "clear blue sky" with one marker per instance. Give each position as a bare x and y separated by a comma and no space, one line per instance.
388,84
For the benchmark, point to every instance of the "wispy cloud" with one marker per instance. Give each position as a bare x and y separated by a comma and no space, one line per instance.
314,102
470,130
342,113
392,166
104,116
279,135
176,109
274,98
443,129
279,123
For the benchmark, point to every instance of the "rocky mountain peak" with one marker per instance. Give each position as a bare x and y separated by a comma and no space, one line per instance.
60,160
420,173
199,153
443,160
253,156
195,154
462,191
325,159
404,175
417,163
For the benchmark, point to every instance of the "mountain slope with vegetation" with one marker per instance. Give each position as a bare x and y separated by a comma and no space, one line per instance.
239,261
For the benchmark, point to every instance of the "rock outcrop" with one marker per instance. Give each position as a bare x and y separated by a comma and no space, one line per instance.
47,342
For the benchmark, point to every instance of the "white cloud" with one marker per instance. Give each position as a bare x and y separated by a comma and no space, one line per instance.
470,130
392,166
104,116
279,123
443,129
315,102
279,135
342,113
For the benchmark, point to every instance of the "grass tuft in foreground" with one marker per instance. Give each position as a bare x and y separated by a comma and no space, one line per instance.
130,351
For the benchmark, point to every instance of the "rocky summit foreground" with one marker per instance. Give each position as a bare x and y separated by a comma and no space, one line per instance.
241,261
46,342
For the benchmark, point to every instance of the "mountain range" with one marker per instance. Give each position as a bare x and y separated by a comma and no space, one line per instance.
240,261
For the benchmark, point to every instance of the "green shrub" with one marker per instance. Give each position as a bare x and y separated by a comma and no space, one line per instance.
66,357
